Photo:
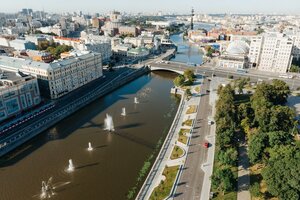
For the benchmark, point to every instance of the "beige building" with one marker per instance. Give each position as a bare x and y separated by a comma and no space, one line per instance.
18,92
60,77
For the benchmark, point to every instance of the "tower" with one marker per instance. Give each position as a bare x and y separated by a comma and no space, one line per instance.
192,19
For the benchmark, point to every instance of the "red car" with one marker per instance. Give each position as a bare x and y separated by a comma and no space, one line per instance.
206,144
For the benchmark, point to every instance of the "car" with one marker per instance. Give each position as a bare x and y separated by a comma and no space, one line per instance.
210,122
206,144
207,91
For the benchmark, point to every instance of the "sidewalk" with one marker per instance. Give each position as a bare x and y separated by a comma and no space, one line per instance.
166,160
243,173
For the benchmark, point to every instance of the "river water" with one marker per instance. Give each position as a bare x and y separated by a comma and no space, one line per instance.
111,169
188,52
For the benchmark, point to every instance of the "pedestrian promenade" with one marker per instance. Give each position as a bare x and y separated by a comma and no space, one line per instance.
164,158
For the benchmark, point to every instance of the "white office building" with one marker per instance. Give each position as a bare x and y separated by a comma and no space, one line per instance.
60,77
276,53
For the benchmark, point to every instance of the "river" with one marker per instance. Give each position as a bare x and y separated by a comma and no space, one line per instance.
112,167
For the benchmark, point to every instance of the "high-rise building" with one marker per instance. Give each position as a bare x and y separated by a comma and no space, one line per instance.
276,53
255,50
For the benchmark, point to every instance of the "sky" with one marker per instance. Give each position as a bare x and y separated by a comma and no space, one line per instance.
178,6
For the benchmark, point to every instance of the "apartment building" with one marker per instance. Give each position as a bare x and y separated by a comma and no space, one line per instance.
60,77
18,92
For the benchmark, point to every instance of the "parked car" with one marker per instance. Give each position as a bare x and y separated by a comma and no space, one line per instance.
206,144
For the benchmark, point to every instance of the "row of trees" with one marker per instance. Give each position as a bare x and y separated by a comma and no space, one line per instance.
270,128
223,178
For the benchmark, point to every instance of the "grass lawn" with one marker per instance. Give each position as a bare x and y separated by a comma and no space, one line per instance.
227,196
191,109
182,135
197,89
187,122
176,153
164,188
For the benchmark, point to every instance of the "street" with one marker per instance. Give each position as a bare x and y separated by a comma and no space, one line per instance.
191,180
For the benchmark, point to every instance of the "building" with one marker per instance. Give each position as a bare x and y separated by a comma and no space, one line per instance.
135,41
60,77
19,44
255,50
98,44
235,56
18,92
275,54
40,56
95,22
138,53
128,30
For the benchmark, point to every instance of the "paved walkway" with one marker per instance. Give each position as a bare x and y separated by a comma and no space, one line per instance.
243,173
165,160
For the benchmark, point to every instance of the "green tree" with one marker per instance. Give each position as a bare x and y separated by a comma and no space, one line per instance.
281,91
282,173
189,75
225,138
279,138
294,68
179,80
223,180
257,145
228,157
281,118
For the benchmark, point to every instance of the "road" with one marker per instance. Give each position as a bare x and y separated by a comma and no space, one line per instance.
209,68
191,180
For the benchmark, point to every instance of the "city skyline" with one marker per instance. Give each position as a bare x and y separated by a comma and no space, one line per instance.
167,6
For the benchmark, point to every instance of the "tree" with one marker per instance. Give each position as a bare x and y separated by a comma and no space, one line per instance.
223,180
228,157
281,118
257,146
225,138
281,91
279,138
189,75
188,93
294,68
282,172
179,80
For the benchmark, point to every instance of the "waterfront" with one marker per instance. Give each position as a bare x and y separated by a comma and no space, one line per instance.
188,52
111,169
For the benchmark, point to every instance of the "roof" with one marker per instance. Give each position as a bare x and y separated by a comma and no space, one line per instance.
20,63
237,47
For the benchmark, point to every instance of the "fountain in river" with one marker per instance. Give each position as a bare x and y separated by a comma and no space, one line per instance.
90,148
123,111
108,123
47,189
136,100
71,166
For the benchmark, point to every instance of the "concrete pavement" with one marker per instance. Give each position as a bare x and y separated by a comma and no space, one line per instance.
191,180
243,172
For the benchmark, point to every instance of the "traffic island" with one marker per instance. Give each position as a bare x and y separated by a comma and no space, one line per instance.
182,135
177,153
192,109
188,122
164,188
